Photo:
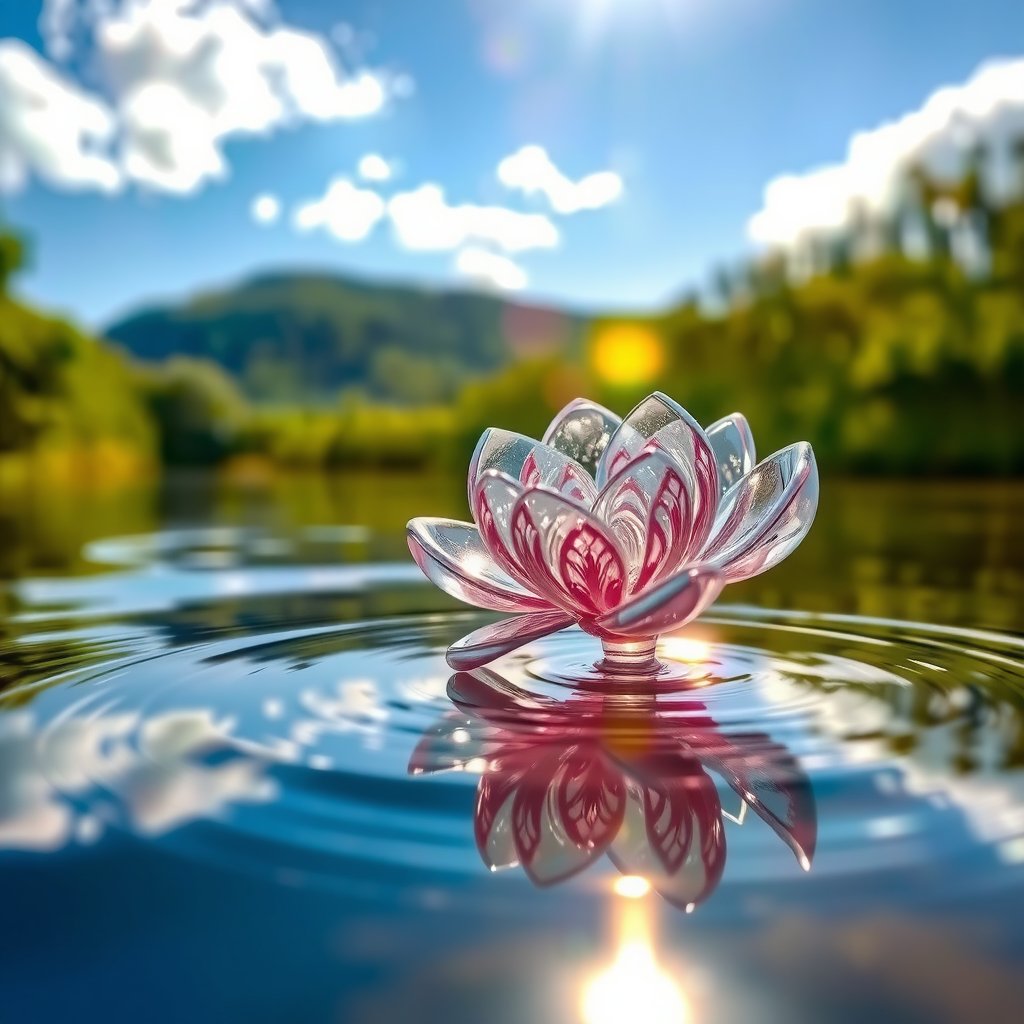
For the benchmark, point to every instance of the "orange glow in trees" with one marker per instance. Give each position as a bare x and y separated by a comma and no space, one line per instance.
627,354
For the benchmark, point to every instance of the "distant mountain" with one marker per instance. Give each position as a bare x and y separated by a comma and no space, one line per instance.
311,336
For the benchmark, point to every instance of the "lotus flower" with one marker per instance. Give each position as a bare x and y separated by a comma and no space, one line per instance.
563,783
628,527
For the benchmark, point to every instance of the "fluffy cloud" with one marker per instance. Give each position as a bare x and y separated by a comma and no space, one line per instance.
180,77
988,109
265,209
490,268
374,167
346,211
424,220
532,171
50,127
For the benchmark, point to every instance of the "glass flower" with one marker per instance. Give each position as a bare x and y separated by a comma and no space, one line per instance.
561,783
629,527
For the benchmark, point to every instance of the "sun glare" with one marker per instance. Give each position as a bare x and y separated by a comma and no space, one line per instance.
627,354
685,648
631,887
633,988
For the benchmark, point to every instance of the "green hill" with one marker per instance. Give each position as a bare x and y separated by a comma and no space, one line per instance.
288,337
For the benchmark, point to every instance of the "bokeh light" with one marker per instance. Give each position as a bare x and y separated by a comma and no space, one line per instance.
627,354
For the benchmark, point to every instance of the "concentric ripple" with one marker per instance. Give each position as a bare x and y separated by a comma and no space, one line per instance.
317,756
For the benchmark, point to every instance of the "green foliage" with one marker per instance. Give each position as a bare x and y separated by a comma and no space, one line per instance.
199,412
61,390
890,367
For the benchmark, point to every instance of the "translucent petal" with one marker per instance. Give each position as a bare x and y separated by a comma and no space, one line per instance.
733,444
766,515
450,743
661,424
668,604
769,779
546,851
499,638
568,555
531,463
672,832
492,502
453,557
648,506
582,431
492,816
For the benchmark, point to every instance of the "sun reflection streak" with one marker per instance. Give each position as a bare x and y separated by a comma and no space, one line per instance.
633,986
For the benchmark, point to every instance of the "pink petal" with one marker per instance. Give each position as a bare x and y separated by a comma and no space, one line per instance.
582,431
531,463
492,816
591,798
769,779
672,830
661,424
453,557
568,554
492,501
648,506
733,444
666,605
546,851
490,642
765,515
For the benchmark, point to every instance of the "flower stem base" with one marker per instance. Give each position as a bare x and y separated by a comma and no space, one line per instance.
629,658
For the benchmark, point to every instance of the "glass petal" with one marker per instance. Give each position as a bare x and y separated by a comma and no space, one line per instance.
484,694
648,506
733,444
492,815
668,604
450,743
672,832
582,431
490,642
494,499
765,515
546,851
453,557
769,779
659,423
567,554
531,463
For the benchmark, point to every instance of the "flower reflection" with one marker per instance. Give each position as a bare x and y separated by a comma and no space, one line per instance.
564,782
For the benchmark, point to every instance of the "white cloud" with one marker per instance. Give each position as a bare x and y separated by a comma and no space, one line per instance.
424,220
189,75
988,109
490,268
265,209
49,127
346,211
532,171
374,167
180,77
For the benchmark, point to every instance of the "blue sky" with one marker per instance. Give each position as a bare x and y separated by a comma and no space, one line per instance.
694,104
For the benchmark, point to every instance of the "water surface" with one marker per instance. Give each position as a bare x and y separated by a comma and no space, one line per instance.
239,782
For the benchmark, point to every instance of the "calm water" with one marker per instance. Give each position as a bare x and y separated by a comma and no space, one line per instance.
237,781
